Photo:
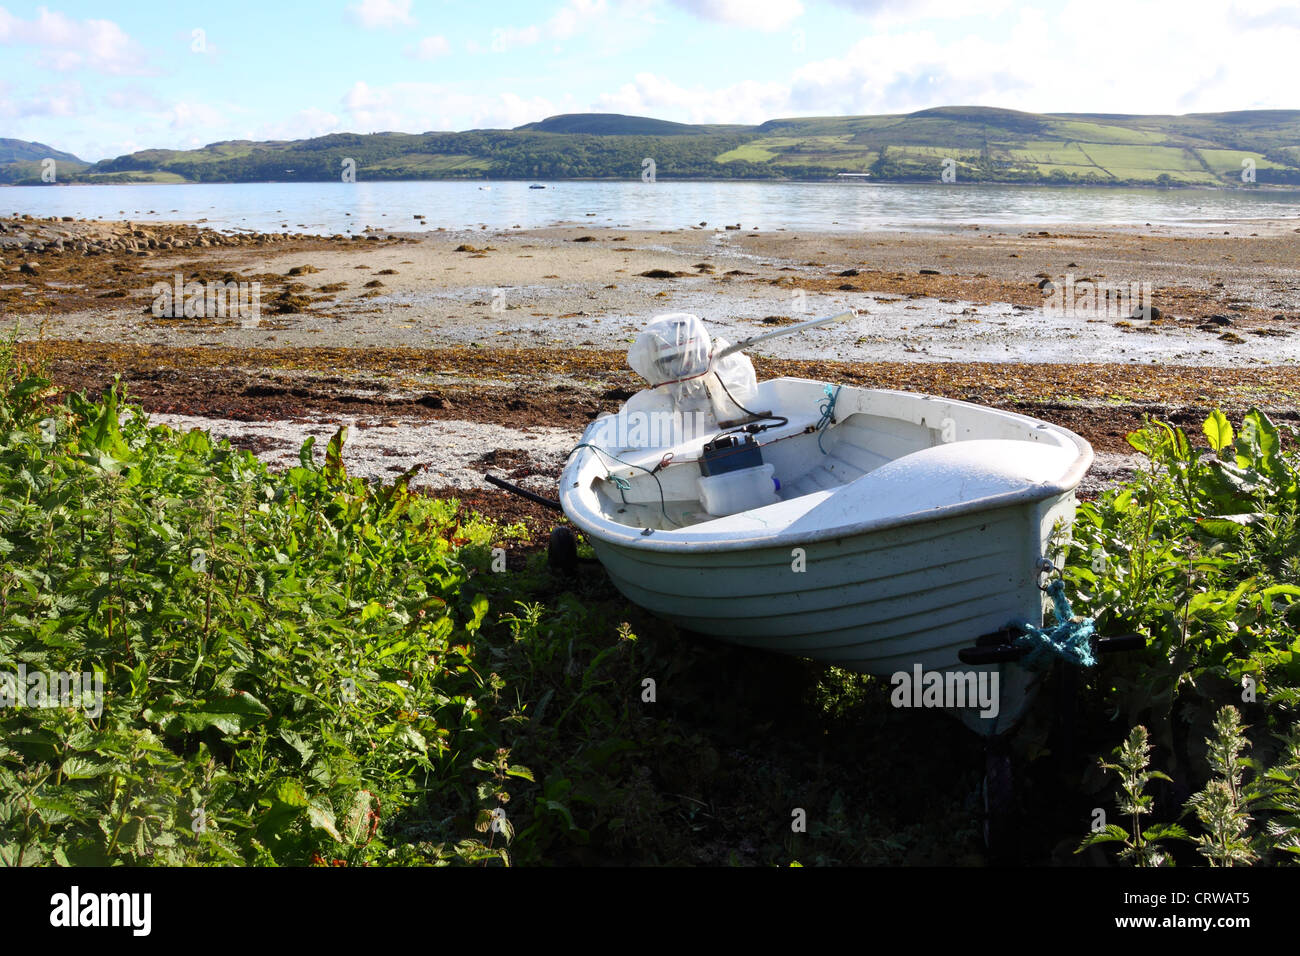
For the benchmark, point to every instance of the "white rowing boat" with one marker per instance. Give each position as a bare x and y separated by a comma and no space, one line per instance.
876,530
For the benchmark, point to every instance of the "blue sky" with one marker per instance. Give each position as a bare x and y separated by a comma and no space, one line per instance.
101,79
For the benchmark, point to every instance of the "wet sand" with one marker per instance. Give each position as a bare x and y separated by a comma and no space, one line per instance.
471,344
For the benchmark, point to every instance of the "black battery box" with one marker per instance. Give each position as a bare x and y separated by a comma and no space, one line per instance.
730,453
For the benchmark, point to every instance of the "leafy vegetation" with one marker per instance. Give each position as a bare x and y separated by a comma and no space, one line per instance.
1202,555
1141,847
306,668
985,144
286,660
1227,808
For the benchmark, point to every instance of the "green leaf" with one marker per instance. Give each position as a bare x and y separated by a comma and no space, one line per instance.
230,715
290,793
1165,831
1218,430
1258,445
1228,526
29,387
1143,441
334,454
322,818
479,607
1266,596
81,767
357,821
1111,834
106,434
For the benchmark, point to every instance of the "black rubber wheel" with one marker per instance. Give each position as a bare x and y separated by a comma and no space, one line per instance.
562,551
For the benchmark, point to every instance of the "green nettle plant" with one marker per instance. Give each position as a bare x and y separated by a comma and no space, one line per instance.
1140,847
289,665
1247,815
299,667
1224,806
1201,553
1283,828
1239,794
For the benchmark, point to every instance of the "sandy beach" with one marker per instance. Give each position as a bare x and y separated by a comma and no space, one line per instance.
490,350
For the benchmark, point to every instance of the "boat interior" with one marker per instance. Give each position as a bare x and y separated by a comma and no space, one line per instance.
832,440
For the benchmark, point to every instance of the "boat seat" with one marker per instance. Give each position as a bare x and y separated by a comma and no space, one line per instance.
924,481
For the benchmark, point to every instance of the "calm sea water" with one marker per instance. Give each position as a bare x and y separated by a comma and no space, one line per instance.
350,207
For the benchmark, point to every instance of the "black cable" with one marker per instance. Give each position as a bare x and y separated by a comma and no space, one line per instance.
663,501
760,416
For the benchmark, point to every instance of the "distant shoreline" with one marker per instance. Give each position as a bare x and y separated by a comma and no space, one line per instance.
1147,187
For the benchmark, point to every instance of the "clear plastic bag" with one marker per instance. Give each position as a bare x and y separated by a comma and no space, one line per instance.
671,348
674,353
732,385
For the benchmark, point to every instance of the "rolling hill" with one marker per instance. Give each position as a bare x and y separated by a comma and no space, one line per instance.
616,124
23,161
976,144
18,150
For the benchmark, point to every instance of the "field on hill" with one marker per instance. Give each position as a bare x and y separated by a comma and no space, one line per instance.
974,144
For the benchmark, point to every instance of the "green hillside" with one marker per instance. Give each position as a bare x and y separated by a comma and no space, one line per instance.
616,124
21,161
978,144
18,150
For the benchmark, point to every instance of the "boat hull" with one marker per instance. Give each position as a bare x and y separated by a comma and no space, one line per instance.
890,596
880,603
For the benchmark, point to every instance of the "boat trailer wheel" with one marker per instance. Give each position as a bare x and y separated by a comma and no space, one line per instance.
562,550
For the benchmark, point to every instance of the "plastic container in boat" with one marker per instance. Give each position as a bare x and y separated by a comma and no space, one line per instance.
741,490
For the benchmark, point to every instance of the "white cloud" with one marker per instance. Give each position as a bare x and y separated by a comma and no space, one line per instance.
133,98
376,14
1086,58
1079,60
430,48
573,18
759,14
888,11
303,124
505,39
749,101
66,44
891,73
1265,14
421,107
183,116
52,100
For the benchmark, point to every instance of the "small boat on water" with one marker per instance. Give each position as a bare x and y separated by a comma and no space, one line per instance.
877,530
536,186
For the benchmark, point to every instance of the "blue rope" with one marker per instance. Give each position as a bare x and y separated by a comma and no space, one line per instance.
827,408
1070,639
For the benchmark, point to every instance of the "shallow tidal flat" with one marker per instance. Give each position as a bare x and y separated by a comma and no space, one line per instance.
490,350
